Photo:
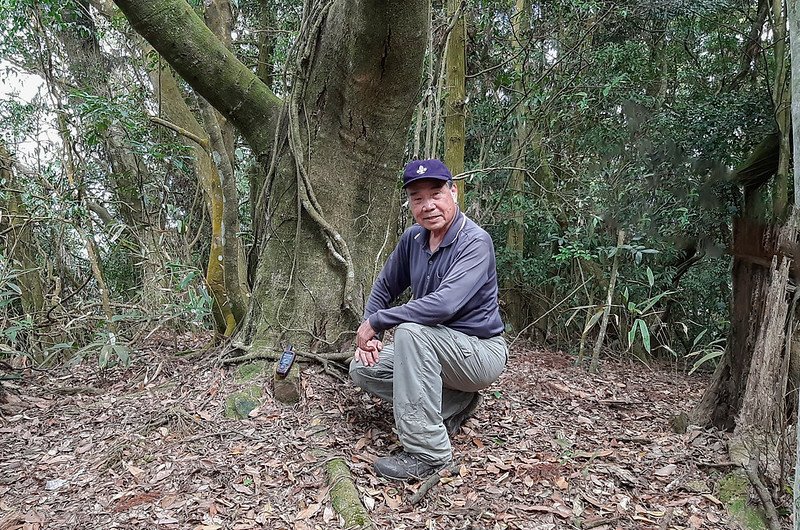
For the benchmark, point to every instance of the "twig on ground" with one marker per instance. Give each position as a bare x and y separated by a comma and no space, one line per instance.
431,482
718,465
76,390
595,523
667,519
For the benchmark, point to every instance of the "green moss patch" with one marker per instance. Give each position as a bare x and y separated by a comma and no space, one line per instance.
240,404
734,492
249,371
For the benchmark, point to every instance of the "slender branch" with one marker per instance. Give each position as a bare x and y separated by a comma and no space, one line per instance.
526,328
202,142
431,482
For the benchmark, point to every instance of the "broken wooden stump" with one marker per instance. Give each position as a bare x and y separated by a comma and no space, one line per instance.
287,389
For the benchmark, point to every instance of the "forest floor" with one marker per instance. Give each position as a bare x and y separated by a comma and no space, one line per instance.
552,447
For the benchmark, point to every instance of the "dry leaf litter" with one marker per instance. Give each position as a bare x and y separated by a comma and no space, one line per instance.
149,447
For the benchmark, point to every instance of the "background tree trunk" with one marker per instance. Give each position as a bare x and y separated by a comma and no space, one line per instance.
177,111
454,111
781,98
515,306
19,246
92,72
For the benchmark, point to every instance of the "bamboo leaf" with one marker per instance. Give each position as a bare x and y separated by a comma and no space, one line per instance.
593,320
654,300
707,357
632,334
645,334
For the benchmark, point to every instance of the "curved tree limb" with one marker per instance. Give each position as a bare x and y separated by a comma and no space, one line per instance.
183,39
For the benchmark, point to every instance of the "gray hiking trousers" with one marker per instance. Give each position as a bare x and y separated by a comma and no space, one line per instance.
430,374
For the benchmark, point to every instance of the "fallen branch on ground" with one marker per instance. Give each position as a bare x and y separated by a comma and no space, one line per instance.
344,495
431,482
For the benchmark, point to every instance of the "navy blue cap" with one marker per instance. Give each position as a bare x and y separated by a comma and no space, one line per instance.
425,169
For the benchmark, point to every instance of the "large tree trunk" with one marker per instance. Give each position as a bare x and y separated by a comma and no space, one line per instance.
315,271
722,400
329,204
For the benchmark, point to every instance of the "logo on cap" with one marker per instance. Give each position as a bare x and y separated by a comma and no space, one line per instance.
421,170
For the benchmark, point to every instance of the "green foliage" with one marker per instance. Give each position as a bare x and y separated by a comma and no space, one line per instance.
634,118
191,302
13,324
107,349
705,351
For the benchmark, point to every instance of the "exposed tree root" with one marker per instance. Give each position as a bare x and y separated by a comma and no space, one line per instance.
270,355
330,362
763,494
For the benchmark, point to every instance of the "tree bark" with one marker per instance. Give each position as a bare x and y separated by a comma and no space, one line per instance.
722,401
763,396
515,243
454,111
781,98
16,234
233,265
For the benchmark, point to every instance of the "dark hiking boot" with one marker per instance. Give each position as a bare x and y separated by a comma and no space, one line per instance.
405,466
454,422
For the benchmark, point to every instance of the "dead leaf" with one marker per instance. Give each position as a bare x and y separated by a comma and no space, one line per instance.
241,488
161,475
665,471
695,521
309,512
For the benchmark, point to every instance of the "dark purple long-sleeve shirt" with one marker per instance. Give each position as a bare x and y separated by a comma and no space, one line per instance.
456,286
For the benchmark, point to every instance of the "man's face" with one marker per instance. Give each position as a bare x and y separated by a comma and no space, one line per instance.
433,203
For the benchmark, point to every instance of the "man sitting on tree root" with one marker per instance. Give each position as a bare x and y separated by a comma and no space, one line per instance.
448,343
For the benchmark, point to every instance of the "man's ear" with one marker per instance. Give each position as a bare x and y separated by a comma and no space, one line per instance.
454,192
